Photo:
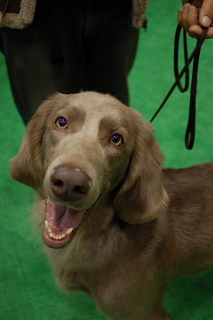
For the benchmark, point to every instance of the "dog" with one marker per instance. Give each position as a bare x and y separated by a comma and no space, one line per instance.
115,224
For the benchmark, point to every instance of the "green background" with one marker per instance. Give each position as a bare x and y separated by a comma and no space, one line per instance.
27,287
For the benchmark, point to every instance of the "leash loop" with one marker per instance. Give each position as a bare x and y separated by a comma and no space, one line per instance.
190,131
176,58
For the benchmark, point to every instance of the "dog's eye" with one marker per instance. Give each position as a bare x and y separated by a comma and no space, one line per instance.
116,139
61,123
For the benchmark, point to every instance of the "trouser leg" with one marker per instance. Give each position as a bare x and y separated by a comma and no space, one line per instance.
111,48
39,61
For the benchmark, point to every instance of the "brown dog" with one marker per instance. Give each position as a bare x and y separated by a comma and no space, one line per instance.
116,226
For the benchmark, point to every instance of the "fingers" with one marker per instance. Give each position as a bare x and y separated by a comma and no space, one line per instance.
189,18
206,13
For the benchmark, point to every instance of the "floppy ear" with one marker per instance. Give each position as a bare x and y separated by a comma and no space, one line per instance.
27,166
142,196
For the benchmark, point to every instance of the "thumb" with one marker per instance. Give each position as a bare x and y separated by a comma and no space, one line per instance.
206,13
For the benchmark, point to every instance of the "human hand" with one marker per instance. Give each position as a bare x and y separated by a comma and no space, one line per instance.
192,17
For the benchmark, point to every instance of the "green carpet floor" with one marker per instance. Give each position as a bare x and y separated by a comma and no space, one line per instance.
27,288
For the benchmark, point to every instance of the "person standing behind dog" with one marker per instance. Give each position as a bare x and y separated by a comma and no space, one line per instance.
69,46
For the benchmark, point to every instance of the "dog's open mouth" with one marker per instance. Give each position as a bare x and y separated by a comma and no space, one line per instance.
61,223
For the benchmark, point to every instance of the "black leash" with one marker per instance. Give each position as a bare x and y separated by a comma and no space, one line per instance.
190,131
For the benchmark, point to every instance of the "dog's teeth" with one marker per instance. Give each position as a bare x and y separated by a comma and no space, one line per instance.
57,236
62,236
68,231
48,225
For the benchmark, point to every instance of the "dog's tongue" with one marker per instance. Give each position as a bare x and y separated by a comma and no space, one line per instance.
62,217
61,223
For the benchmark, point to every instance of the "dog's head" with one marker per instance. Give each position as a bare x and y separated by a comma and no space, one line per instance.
84,149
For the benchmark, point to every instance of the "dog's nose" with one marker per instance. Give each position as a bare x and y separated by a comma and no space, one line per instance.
69,184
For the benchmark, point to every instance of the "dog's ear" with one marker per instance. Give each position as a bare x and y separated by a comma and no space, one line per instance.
142,196
27,166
